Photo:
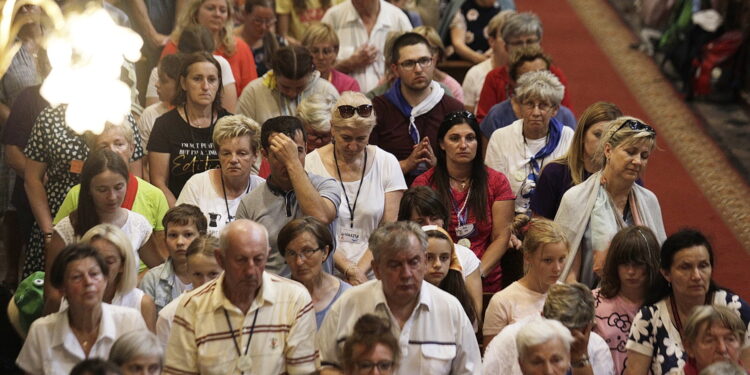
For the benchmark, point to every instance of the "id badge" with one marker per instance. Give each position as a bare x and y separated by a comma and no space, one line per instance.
465,243
463,231
520,174
350,235
245,363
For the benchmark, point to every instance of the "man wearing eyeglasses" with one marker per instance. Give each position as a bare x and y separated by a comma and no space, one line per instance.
434,334
522,29
247,321
289,192
410,112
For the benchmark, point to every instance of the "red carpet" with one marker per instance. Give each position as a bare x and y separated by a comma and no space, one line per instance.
592,77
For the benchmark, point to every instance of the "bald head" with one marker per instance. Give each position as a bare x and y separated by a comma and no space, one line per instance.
243,252
242,228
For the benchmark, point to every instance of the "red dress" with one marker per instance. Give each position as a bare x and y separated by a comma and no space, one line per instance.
498,189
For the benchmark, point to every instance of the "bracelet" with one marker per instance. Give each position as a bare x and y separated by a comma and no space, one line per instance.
583,362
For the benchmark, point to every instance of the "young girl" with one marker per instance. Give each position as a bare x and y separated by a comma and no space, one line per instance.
545,249
444,269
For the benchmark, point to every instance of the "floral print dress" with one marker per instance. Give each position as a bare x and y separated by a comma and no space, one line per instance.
653,334
53,143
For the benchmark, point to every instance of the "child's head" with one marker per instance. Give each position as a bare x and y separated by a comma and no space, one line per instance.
201,260
169,72
545,249
182,225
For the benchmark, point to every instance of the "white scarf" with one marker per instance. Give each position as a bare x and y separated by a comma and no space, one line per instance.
436,95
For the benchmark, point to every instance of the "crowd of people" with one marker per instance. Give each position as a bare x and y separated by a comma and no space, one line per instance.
306,192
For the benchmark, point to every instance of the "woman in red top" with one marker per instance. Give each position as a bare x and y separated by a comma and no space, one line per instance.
480,199
217,17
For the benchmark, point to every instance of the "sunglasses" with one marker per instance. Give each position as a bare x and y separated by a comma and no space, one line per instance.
459,115
637,126
347,111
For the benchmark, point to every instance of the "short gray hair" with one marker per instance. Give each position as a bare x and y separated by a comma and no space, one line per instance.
522,24
393,237
723,368
704,316
540,85
315,111
540,331
570,304
236,126
140,343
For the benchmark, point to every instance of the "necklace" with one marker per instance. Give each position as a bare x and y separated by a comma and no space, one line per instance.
341,181
187,118
86,339
462,182
226,201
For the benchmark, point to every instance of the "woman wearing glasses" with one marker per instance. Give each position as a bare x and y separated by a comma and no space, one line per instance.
305,244
371,182
523,148
479,198
592,212
278,93
257,29
323,43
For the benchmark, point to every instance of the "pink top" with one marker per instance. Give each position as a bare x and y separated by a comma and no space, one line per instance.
613,319
456,90
342,82
498,189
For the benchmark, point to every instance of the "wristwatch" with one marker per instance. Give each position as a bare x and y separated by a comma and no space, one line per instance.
582,362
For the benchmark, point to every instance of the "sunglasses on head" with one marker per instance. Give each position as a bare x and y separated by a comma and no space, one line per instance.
637,126
347,111
459,115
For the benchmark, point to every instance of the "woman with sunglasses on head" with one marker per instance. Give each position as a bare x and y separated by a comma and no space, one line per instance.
630,271
521,149
279,92
305,244
480,199
659,335
578,164
591,213
371,182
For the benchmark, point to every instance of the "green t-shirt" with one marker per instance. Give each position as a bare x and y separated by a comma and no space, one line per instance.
149,202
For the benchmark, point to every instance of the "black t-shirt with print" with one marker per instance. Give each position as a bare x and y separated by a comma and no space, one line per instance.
190,149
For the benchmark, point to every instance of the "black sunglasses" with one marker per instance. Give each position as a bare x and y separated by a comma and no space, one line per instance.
459,115
346,111
637,126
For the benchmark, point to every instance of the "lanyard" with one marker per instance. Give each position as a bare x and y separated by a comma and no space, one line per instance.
461,213
234,340
677,320
226,202
356,197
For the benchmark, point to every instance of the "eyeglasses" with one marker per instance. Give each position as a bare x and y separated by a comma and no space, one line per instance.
424,62
368,366
543,107
524,42
346,111
637,126
459,115
264,21
304,254
324,51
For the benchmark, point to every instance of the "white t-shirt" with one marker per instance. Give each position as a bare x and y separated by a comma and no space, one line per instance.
352,35
227,78
507,153
137,228
199,191
467,258
164,321
510,305
474,81
146,121
52,348
383,176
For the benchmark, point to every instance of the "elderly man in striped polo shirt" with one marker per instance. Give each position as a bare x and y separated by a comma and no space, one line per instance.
433,331
247,321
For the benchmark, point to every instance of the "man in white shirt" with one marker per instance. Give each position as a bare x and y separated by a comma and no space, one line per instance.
573,306
362,27
247,320
434,333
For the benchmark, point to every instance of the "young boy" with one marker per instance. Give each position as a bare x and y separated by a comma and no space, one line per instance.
182,225
202,268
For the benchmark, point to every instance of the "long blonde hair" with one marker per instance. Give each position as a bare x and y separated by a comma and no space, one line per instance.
189,17
128,279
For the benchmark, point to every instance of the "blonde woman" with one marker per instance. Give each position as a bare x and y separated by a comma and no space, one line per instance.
370,179
323,43
217,16
218,192
545,248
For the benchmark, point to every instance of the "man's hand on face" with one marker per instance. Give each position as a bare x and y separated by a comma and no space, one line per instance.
579,348
283,149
